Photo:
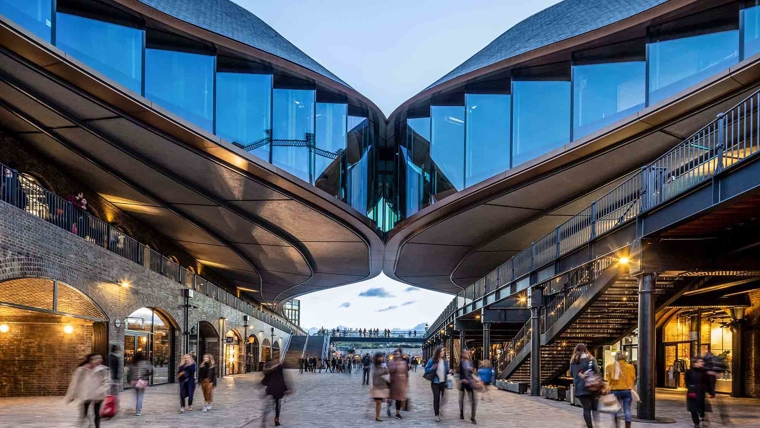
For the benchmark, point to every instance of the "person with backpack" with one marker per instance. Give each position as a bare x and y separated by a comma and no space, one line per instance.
90,384
587,381
366,365
622,379
436,370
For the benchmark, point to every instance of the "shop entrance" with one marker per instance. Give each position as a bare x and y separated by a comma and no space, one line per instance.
266,350
150,334
233,355
252,354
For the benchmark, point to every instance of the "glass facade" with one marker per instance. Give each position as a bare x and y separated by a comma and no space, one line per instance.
330,140
539,126
114,50
447,149
416,156
488,132
244,110
34,15
751,29
293,131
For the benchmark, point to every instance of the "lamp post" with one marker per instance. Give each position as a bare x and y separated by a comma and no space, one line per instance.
272,343
245,343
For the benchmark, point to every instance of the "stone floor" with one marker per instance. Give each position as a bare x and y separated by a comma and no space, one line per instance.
336,400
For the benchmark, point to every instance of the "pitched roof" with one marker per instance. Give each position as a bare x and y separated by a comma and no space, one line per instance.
230,20
562,21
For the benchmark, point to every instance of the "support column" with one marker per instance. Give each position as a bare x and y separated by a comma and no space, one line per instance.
451,347
647,367
737,345
536,301
486,341
461,341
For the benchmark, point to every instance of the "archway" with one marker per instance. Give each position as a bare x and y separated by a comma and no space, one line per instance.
46,329
266,350
206,341
252,354
276,351
151,332
233,353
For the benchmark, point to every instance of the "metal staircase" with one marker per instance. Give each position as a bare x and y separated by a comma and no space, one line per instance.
295,351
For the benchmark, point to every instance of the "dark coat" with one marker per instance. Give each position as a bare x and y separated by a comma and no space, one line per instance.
186,373
697,384
207,371
274,379
399,372
114,365
579,368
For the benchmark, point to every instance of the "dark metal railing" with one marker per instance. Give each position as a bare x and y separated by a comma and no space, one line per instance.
521,339
26,194
726,141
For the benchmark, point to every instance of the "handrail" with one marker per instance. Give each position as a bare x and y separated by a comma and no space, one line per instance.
29,196
515,346
729,139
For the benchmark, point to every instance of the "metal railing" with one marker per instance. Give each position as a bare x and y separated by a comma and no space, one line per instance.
729,139
26,194
521,339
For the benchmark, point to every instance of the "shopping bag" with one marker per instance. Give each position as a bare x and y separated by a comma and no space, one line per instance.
450,382
110,407
608,403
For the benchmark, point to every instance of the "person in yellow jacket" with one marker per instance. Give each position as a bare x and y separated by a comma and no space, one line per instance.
622,379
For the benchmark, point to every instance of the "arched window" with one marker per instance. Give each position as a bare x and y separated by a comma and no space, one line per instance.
151,333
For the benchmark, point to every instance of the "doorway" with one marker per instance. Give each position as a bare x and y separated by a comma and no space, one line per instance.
252,354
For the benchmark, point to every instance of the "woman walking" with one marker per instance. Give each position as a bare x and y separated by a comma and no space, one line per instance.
138,376
466,370
90,383
274,379
380,385
583,369
622,378
186,376
698,384
436,370
399,375
207,379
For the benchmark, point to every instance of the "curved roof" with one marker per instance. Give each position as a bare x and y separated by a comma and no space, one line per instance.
230,20
562,21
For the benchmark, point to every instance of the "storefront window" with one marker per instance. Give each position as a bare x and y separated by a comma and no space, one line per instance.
114,50
243,109
34,15
293,130
539,126
150,334
488,133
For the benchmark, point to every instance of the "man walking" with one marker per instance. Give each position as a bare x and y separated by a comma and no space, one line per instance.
366,365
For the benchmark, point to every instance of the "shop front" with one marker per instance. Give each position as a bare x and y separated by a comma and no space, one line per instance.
233,353
252,354
150,333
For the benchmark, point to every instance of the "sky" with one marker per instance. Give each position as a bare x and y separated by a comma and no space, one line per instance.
391,50
388,51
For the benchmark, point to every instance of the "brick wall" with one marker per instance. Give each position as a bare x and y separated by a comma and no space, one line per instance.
751,341
31,247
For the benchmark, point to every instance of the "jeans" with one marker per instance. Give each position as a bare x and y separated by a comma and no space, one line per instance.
438,390
186,389
625,398
139,396
365,376
589,403
277,408
95,410
473,402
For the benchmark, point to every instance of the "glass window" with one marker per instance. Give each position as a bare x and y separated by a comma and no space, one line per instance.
183,83
751,20
539,126
34,15
417,160
488,134
243,110
331,123
447,149
293,130
358,182
606,93
687,51
114,50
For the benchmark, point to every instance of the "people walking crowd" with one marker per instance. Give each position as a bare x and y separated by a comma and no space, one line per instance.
364,332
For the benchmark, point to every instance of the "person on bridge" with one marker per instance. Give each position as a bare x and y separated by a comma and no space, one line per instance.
622,379
466,371
399,371
366,366
380,384
436,370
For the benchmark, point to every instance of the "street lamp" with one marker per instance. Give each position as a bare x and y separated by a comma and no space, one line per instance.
272,343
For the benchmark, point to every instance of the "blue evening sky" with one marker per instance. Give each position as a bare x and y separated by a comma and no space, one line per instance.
389,51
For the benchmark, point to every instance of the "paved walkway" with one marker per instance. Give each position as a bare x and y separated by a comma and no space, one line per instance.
337,400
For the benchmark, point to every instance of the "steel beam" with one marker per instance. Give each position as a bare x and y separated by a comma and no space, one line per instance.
647,368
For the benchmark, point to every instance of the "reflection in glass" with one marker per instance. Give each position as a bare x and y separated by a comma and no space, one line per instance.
541,118
243,110
606,93
358,183
751,31
331,122
293,124
416,157
182,83
447,149
114,50
487,151
34,15
674,65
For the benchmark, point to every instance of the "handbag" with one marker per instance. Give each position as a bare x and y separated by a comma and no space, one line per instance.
450,382
110,407
141,384
430,376
592,380
608,403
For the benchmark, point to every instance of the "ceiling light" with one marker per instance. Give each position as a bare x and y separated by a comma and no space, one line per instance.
624,260
4,328
68,329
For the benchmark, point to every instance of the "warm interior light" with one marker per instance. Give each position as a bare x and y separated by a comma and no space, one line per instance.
624,260
124,284
523,299
4,328
68,329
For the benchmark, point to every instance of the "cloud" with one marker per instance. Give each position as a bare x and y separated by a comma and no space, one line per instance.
389,308
411,289
376,292
408,303
345,305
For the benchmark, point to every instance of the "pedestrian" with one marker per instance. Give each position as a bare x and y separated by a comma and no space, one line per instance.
698,384
399,377
186,376
139,373
466,385
366,367
300,364
274,380
207,379
716,367
622,379
415,363
584,371
436,370
114,366
380,384
90,384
